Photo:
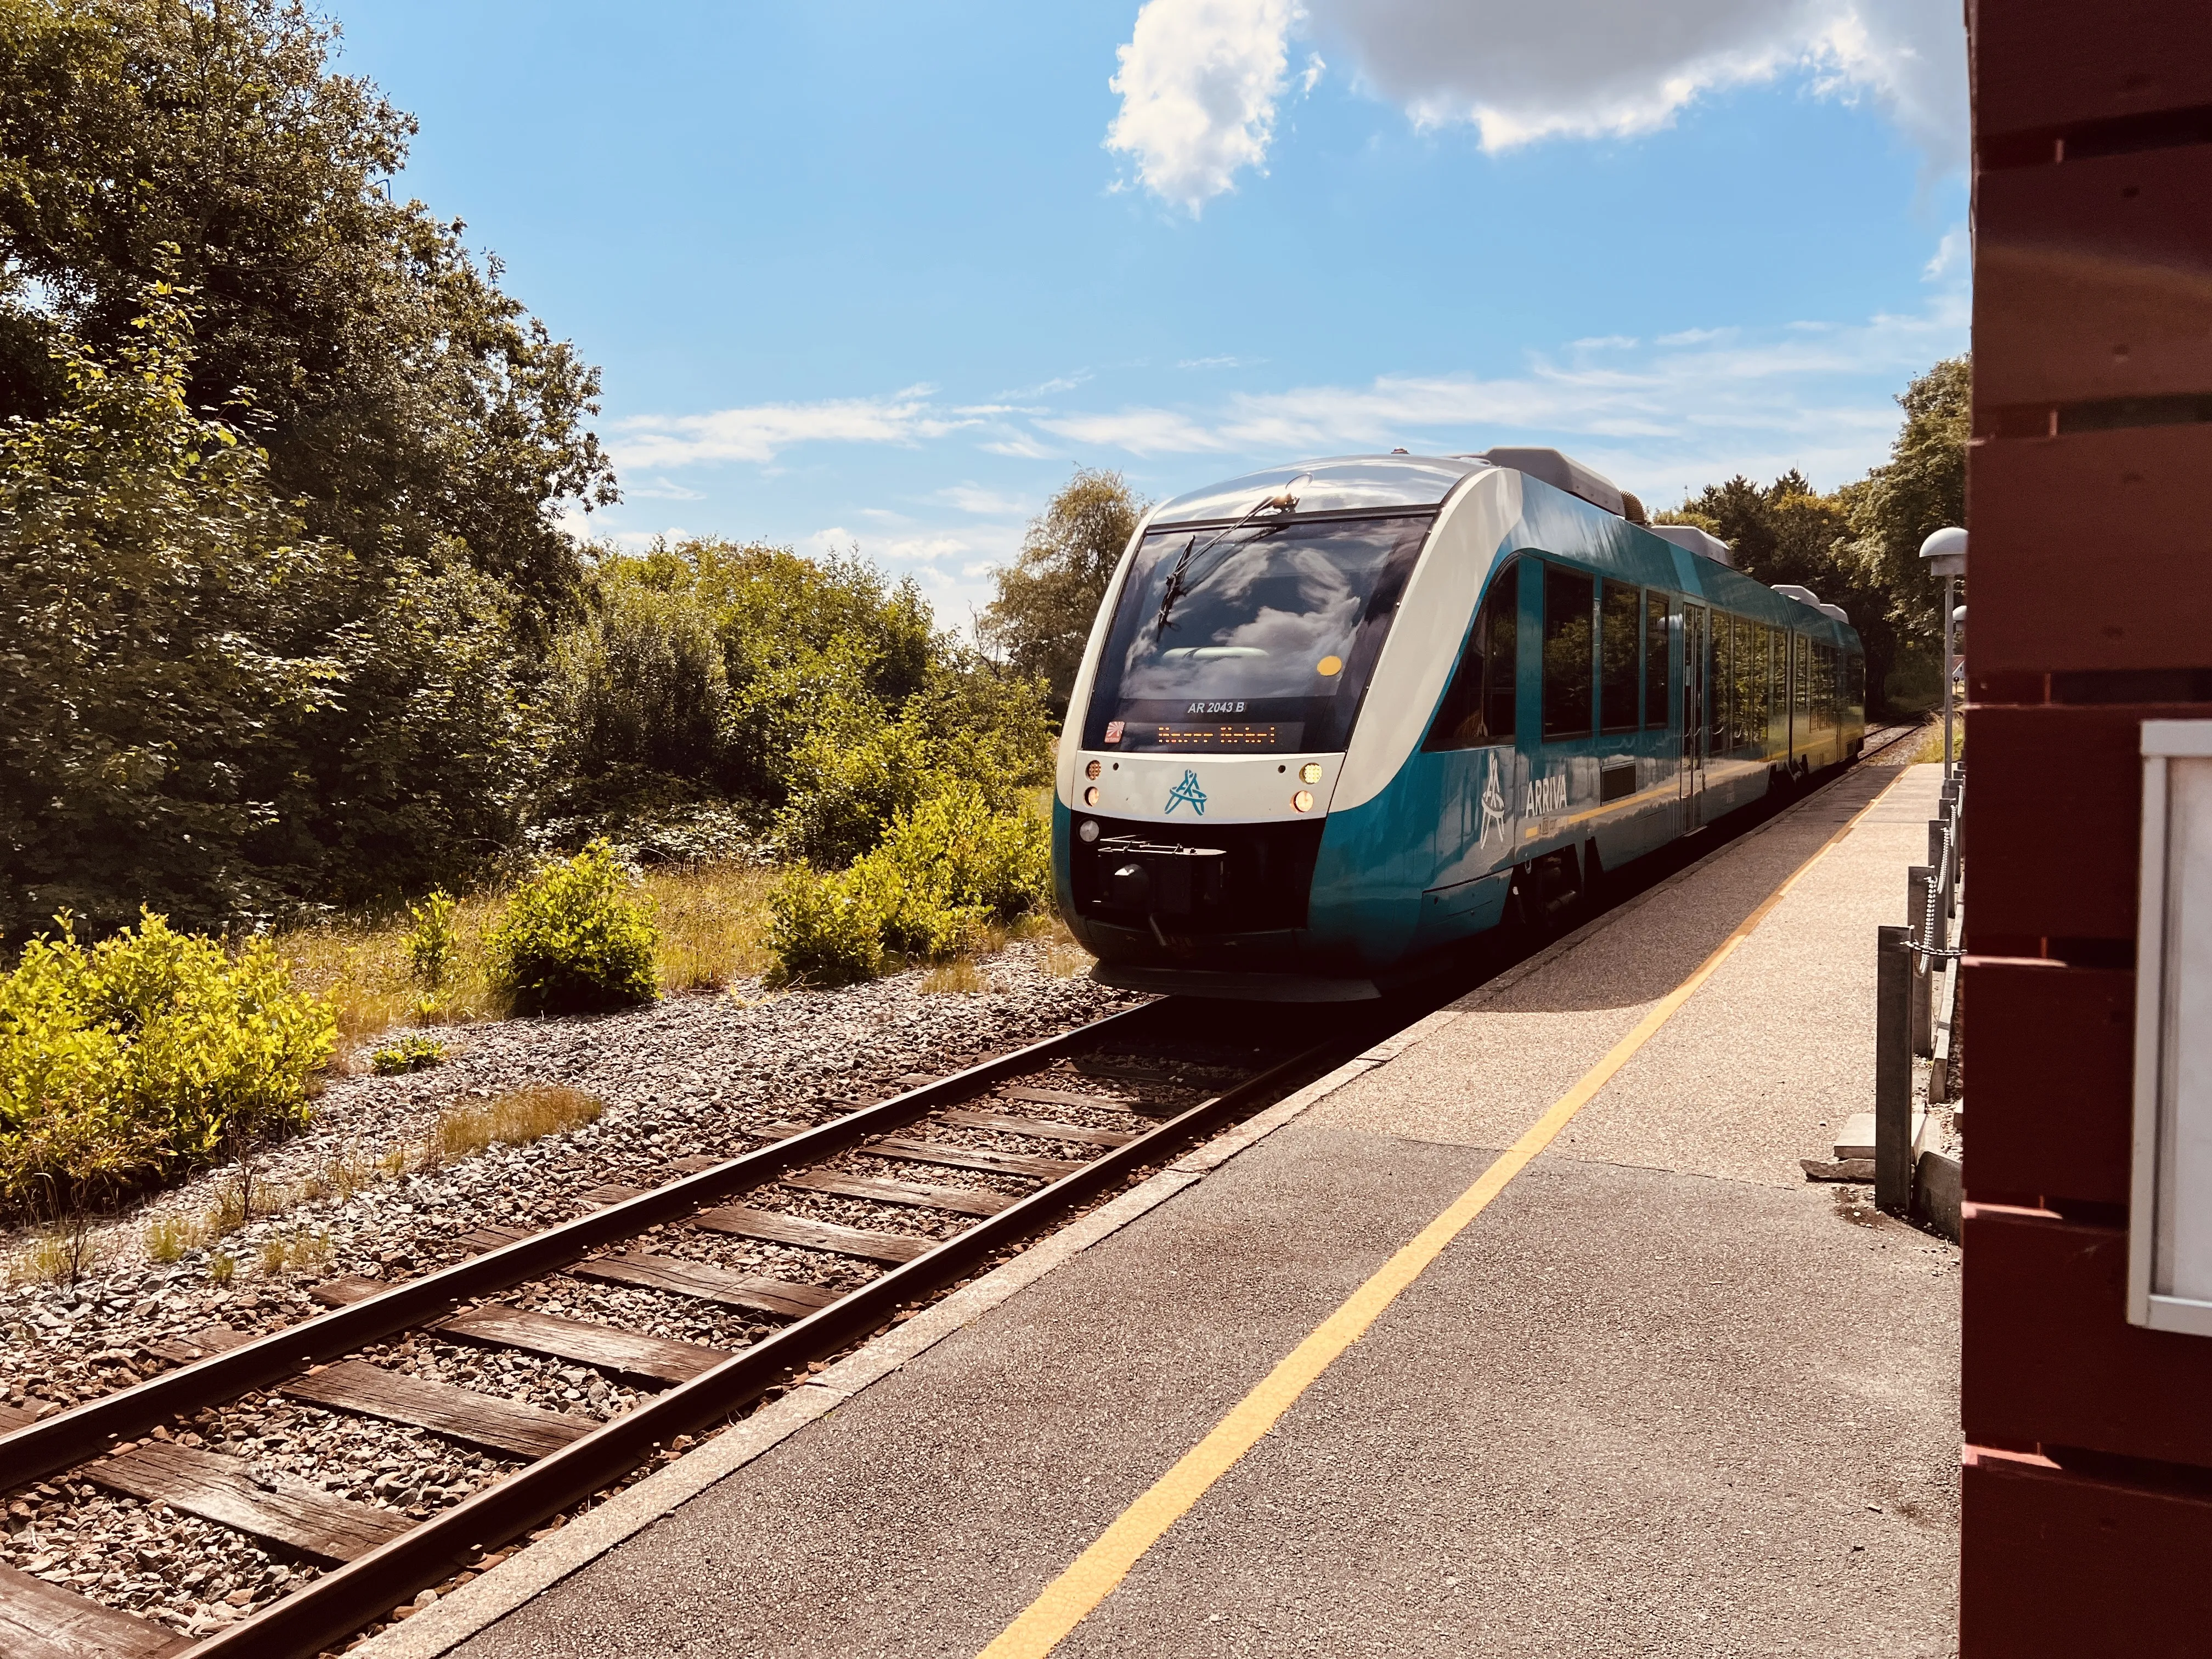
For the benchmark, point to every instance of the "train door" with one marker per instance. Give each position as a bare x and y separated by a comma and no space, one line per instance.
1696,698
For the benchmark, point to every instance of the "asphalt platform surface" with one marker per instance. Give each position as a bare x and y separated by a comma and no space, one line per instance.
1663,1396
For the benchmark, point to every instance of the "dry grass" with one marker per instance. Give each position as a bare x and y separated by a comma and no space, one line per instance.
516,1118
167,1237
360,965
300,1250
1930,752
714,927
960,977
1064,958
714,924
59,1254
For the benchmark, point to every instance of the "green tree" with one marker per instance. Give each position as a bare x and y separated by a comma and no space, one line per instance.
413,409
1041,618
205,708
1859,547
1921,488
157,609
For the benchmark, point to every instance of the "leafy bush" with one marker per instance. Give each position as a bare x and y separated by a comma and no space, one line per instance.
433,944
823,930
945,873
639,689
412,1052
143,1057
575,938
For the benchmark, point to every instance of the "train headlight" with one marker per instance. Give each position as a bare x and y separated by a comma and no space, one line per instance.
1087,831
1303,801
1310,772
1090,796
1091,770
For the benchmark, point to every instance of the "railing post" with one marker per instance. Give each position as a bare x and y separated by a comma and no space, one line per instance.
1893,1071
1921,1031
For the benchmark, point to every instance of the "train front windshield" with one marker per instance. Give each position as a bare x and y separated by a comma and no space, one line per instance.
1253,640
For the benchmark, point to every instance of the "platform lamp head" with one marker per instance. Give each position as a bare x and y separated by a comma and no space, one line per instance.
1945,552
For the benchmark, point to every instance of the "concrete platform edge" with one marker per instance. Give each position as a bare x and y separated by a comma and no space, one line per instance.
455,1618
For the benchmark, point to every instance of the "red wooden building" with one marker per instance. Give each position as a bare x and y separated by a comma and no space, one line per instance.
2087,1484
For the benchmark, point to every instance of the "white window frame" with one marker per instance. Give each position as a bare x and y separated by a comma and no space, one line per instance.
2157,1034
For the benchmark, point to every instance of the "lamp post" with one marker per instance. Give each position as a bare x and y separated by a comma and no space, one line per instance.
1945,551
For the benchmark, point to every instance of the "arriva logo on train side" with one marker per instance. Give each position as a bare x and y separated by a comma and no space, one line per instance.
1544,796
1494,798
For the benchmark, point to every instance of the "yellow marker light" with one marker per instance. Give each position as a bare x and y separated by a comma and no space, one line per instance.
1091,770
1328,665
1090,796
1310,773
1303,801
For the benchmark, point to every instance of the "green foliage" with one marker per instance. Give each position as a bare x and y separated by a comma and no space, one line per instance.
1921,488
1859,548
947,870
416,411
575,938
412,1052
159,612
433,943
854,771
823,930
203,709
639,691
143,1057
1048,597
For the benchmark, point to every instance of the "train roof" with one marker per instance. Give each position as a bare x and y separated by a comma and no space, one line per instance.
1349,484
1401,482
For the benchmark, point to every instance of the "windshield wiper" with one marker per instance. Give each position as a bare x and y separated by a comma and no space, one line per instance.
1282,501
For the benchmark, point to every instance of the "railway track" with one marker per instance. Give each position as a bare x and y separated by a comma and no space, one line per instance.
990,1155
984,1159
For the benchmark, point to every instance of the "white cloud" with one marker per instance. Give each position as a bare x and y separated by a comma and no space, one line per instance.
1591,69
1221,363
1199,82
1022,448
1694,409
761,431
1694,335
1956,246
985,503
661,490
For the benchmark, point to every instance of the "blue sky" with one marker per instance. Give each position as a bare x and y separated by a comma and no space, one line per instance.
882,274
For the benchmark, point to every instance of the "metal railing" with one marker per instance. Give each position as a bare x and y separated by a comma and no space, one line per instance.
1916,984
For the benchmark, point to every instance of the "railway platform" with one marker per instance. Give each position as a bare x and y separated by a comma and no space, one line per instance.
1522,1334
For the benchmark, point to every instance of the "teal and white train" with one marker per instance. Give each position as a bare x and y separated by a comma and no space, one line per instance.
1336,720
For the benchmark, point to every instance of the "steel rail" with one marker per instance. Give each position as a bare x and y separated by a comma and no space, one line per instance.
58,1443
332,1607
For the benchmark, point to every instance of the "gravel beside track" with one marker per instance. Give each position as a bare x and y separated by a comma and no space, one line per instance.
694,1076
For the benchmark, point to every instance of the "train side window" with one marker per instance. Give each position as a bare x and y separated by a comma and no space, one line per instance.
1801,680
1750,681
1616,646
1479,704
1569,652
1655,659
1718,698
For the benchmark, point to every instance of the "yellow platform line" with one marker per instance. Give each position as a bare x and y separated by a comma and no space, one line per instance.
1095,1574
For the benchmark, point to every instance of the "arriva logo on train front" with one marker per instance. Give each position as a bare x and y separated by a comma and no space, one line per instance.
1186,791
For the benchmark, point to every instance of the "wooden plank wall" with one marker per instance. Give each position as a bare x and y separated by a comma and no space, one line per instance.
2088,1477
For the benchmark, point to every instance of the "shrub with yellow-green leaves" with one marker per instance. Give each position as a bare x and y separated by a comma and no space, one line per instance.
577,936
949,868
143,1057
